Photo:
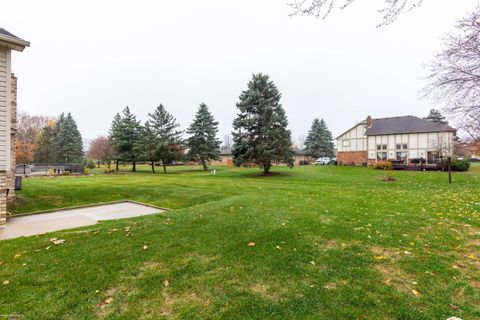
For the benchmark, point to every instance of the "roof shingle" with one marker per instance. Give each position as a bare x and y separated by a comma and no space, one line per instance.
404,124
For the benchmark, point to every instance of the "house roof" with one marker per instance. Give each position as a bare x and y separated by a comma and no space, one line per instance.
11,41
404,124
226,151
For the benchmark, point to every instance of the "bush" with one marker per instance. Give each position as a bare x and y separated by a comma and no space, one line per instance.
90,164
460,165
383,165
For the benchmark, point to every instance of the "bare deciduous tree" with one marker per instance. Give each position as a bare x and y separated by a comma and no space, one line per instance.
322,8
454,75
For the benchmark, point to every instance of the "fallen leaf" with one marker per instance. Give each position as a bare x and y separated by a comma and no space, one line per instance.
58,241
415,292
109,300
6,282
312,262
251,244
278,247
97,291
388,282
166,283
145,247
380,257
408,253
18,255
471,257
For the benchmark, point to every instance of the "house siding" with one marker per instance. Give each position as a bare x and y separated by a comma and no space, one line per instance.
354,147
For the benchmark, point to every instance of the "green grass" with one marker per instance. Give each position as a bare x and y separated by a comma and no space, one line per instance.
330,243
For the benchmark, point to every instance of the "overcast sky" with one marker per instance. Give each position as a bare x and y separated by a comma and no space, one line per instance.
93,58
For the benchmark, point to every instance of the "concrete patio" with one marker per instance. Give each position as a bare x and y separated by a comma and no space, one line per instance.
24,226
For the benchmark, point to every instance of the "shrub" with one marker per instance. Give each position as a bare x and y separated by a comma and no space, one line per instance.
383,165
90,164
460,165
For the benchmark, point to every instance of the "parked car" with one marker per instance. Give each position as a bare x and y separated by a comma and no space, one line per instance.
333,161
323,161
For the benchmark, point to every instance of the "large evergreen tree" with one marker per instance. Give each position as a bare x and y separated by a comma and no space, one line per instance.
260,130
436,116
67,141
44,148
203,143
163,135
319,141
124,135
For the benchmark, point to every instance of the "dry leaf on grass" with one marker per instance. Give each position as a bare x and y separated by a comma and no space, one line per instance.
251,244
18,255
380,257
166,283
109,300
6,282
415,292
145,247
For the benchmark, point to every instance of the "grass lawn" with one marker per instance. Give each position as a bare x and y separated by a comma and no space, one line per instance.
330,243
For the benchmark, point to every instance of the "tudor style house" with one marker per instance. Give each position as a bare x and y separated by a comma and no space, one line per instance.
8,118
397,138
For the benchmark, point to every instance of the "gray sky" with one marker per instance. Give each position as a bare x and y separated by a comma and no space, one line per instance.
93,58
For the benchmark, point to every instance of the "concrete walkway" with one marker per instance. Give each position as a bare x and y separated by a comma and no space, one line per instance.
72,218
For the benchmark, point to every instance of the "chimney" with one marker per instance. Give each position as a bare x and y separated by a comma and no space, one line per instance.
369,122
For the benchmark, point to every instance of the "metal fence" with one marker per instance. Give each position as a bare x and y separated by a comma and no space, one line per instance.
46,168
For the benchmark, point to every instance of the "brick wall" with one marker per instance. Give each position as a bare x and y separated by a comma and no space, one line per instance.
7,179
352,157
11,175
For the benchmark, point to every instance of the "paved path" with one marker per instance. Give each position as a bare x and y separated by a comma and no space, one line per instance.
72,218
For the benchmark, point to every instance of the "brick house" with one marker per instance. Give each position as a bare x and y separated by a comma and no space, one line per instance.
8,118
397,138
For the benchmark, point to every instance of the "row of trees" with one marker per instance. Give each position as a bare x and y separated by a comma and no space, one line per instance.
260,134
158,140
43,139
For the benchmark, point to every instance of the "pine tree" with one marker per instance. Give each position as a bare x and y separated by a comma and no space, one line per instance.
145,147
319,141
203,143
67,140
164,135
260,130
437,117
44,148
124,134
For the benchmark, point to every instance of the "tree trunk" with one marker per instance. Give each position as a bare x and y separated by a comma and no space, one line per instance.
164,166
204,164
266,168
134,167
116,166
109,163
153,166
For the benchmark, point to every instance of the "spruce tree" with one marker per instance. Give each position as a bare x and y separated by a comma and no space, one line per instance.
164,135
319,141
67,140
260,130
44,149
124,134
436,116
145,147
203,143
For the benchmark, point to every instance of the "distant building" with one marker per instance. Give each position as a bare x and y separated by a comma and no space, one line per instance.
397,138
8,118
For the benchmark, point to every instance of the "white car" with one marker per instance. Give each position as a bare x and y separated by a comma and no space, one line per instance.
323,161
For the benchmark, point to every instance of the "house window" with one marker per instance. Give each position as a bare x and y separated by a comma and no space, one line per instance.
401,155
402,146
432,157
381,147
381,156
405,146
